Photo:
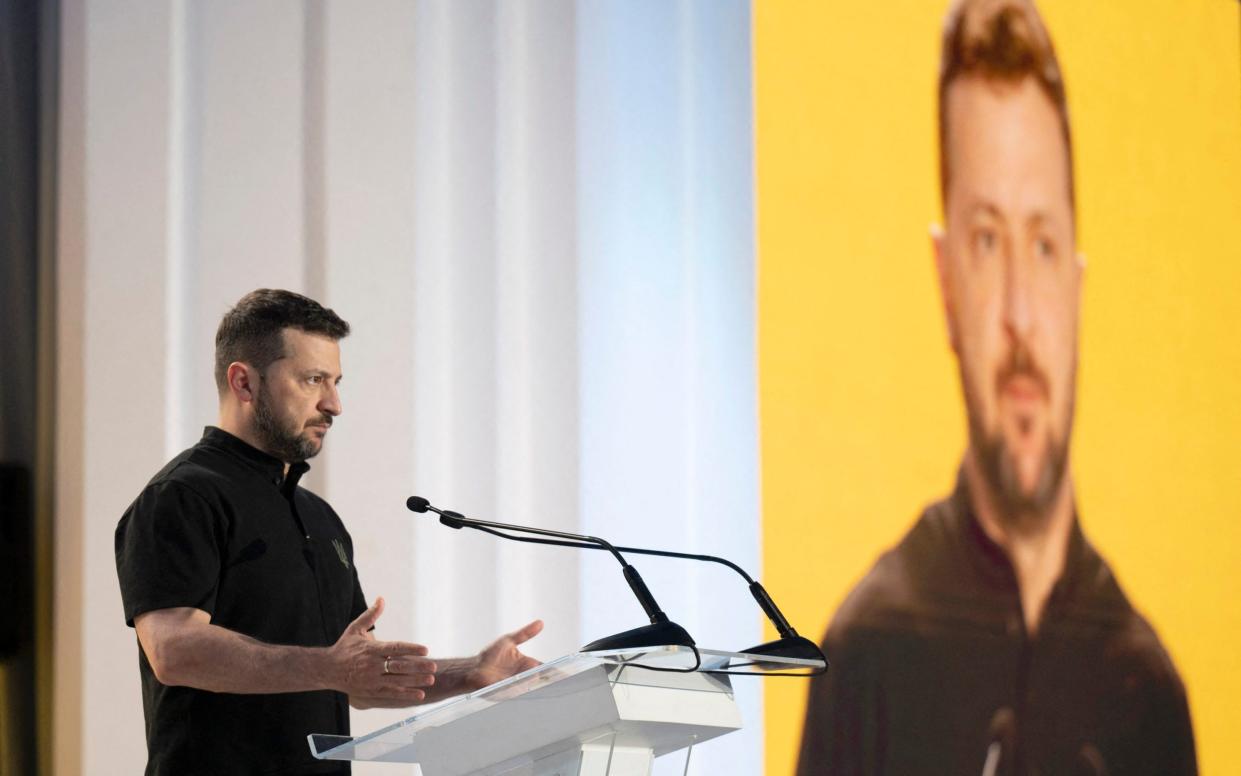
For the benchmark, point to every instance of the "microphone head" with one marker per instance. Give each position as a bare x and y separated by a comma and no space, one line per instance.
1003,726
1090,761
417,504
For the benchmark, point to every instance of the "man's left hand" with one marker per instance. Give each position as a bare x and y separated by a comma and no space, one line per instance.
501,658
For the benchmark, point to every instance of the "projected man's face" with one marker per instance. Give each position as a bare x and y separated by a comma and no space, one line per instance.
1011,279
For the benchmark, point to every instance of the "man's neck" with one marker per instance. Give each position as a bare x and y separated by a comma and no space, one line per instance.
244,432
1037,555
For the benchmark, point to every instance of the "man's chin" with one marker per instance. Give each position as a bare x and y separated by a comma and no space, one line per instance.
1026,478
1028,490
1024,481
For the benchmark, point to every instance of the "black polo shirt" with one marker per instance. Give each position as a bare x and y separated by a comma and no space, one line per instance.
930,651
222,529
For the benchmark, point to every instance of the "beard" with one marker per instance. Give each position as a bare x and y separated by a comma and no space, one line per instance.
1024,511
283,440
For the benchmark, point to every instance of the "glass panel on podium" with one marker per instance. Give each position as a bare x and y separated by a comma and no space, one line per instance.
661,699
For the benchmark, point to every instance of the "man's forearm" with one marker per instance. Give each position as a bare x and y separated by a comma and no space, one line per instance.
213,658
184,648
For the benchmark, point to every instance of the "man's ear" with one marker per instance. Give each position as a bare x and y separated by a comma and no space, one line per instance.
242,381
1079,271
941,273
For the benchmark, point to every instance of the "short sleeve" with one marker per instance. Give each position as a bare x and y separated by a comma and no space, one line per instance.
168,551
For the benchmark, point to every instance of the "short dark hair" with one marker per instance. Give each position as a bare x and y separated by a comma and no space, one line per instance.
1002,41
253,331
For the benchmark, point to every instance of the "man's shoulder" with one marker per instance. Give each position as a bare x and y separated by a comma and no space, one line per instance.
194,470
1100,605
895,586
1138,646
191,468
886,588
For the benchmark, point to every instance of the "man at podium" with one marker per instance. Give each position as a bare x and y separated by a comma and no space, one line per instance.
994,638
240,584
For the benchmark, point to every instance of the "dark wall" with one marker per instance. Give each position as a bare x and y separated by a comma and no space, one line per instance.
25,144
16,513
19,148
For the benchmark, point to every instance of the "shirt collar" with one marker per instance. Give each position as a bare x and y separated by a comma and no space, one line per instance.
991,560
987,557
269,466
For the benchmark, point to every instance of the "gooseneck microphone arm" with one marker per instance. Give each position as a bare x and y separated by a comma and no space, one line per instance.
660,632
760,594
789,644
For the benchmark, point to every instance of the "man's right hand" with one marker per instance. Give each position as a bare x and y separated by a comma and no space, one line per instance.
381,672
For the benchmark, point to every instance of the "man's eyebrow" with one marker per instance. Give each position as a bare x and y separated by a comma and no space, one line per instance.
983,208
321,373
1039,218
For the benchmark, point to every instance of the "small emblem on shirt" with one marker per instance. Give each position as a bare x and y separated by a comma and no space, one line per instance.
340,550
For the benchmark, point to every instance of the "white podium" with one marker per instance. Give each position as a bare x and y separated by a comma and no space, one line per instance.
586,714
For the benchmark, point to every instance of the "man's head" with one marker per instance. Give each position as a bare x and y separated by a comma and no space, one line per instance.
1007,259
277,366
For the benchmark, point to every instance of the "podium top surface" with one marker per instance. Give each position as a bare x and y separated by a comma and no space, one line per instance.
657,667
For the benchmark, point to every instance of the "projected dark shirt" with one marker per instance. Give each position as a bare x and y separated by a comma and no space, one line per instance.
222,529
930,655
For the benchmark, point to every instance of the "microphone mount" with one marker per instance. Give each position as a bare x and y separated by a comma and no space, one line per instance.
660,632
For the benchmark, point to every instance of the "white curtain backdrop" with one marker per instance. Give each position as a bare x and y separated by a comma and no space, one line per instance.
538,218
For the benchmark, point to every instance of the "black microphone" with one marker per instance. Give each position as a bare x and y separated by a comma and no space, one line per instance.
1002,735
661,632
1090,761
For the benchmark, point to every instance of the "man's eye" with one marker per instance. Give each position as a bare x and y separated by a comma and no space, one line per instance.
985,242
1044,248
315,379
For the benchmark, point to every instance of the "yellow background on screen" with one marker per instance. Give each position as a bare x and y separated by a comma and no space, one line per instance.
861,415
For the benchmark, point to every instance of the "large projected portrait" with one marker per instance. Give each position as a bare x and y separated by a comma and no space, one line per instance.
994,636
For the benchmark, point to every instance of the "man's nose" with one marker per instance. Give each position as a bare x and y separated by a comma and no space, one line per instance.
330,403
1018,312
